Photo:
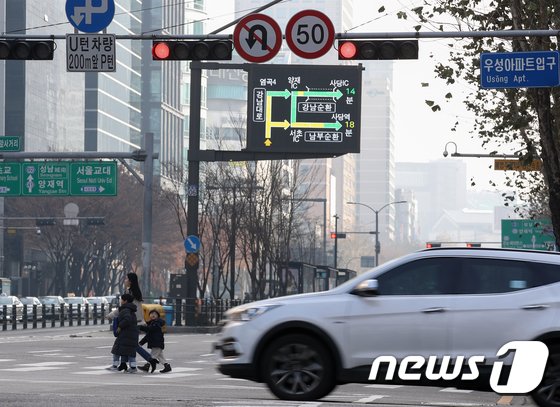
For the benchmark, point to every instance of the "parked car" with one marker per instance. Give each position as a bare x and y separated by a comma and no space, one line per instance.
59,306
460,302
32,302
98,304
75,301
9,301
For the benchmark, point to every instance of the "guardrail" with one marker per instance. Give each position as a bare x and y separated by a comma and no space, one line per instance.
208,312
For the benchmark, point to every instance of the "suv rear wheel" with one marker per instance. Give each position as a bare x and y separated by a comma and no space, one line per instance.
298,367
548,392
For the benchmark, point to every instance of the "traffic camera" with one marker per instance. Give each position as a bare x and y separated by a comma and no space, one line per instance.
219,50
377,49
26,50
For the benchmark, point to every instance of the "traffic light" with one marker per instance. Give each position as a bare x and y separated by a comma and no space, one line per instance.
473,245
432,245
45,222
26,50
217,50
377,49
96,221
335,235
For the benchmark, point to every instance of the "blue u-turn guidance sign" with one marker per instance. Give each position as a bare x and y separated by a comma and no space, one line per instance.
90,16
536,69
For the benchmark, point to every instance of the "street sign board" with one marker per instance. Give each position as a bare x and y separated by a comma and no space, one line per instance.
304,108
192,244
517,165
88,17
534,69
91,53
310,34
44,178
10,143
49,178
257,38
10,179
98,178
533,234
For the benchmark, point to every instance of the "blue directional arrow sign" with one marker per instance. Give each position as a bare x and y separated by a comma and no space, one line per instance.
536,69
192,244
90,16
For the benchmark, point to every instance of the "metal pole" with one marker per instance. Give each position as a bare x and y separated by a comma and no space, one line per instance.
335,240
191,265
232,245
325,232
377,245
147,218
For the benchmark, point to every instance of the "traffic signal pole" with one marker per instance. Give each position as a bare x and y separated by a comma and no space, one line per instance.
193,187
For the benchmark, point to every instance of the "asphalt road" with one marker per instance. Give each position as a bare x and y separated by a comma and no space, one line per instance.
66,367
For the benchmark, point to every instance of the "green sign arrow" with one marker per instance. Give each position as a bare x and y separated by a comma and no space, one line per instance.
44,178
93,178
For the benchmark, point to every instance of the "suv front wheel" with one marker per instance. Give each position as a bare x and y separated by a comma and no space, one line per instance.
548,392
298,367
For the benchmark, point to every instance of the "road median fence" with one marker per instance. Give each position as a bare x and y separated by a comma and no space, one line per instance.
206,313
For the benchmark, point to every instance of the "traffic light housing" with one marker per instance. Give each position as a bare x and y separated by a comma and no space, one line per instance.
377,49
26,50
216,50
95,221
432,245
335,235
45,222
473,245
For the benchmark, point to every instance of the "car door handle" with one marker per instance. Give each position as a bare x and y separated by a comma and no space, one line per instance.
433,309
535,307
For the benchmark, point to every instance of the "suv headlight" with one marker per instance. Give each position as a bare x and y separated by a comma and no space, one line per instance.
248,313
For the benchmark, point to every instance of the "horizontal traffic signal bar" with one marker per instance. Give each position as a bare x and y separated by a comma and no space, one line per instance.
377,49
26,50
216,50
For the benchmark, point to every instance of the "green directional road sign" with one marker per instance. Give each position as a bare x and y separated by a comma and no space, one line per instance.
93,178
10,179
10,143
533,234
45,178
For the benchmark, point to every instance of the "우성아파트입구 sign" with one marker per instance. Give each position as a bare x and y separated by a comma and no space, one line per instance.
535,69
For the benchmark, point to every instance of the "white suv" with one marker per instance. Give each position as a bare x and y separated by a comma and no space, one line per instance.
447,301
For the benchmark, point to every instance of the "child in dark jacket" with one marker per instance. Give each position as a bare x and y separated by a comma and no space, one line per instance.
154,338
127,335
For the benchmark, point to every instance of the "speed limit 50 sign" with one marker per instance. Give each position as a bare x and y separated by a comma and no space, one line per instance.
310,34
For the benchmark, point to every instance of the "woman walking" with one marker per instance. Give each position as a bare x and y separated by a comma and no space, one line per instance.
133,288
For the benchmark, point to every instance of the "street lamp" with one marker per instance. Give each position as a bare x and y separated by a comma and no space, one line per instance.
377,245
476,155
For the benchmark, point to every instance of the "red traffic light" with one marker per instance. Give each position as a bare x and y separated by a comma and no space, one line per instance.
377,49
431,245
160,50
473,245
192,50
347,50
333,235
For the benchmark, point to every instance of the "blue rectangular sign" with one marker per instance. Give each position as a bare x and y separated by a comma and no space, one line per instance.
537,69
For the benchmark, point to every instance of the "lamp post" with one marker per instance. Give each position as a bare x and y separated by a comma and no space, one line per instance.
377,245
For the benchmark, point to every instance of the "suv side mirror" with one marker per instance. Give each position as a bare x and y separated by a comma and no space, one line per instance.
367,288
